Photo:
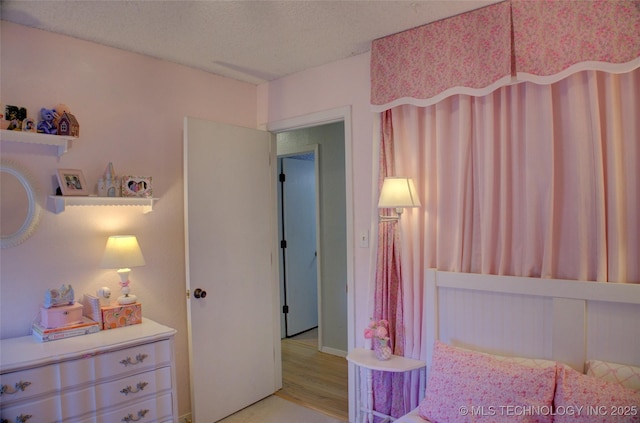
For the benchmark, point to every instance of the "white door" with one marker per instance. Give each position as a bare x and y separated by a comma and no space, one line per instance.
300,254
231,255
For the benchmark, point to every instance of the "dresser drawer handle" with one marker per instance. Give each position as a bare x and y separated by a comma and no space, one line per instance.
139,359
19,387
131,418
129,390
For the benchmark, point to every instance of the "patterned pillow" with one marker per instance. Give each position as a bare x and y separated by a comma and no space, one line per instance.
627,376
536,363
587,399
466,386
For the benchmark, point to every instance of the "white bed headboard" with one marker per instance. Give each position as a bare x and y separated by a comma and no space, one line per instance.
567,321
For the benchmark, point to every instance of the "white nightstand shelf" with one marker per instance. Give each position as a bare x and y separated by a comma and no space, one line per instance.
367,360
59,141
60,202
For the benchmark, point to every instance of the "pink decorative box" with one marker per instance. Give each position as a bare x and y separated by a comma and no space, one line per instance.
55,317
117,316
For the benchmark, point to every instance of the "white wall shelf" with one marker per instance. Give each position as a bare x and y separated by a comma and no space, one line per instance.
60,202
58,141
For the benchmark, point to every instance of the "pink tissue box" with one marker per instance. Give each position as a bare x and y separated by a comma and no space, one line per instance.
117,316
55,317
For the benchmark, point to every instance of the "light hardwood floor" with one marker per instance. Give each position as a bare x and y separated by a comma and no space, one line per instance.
314,379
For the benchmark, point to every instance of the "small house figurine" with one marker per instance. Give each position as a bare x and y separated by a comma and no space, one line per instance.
68,125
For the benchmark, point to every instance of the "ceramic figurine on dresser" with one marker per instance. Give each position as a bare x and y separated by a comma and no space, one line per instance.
59,297
59,308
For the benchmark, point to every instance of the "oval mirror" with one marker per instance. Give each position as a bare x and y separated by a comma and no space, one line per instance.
19,208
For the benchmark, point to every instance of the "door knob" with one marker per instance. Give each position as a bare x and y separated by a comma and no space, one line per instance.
199,293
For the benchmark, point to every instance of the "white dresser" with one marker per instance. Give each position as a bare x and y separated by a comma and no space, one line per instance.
118,375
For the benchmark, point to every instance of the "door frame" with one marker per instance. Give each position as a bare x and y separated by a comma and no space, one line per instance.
291,151
316,119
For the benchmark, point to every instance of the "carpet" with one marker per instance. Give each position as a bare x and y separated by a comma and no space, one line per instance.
277,410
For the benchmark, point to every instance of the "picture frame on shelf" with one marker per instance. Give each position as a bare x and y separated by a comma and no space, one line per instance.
137,186
72,182
29,125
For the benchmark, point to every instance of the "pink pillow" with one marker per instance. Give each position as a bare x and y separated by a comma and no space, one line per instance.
469,386
587,399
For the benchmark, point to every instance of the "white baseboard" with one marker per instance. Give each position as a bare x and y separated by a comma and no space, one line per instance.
334,351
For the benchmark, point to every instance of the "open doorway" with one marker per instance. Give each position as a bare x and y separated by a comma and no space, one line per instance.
313,221
345,283
326,144
298,225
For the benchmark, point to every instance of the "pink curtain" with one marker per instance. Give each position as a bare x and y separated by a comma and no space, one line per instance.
531,180
388,298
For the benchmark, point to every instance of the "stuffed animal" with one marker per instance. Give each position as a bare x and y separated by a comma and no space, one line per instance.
46,125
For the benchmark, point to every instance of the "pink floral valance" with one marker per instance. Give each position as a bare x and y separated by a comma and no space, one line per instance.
556,38
442,58
476,52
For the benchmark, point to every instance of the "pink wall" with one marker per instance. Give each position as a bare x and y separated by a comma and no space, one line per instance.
130,108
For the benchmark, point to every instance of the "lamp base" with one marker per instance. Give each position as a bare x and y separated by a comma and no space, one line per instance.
127,299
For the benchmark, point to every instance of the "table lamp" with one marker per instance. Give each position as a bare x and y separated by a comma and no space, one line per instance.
123,252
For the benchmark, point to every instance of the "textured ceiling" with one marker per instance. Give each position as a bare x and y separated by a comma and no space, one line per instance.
252,41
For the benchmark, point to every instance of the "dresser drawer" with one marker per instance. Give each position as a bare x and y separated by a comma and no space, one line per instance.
132,387
133,360
116,393
116,363
152,410
27,383
44,411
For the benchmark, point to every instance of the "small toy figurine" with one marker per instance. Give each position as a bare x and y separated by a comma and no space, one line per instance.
59,297
46,125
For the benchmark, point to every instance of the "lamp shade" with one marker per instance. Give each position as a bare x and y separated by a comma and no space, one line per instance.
398,192
122,251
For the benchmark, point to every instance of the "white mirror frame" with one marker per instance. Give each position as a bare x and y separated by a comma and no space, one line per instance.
32,217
